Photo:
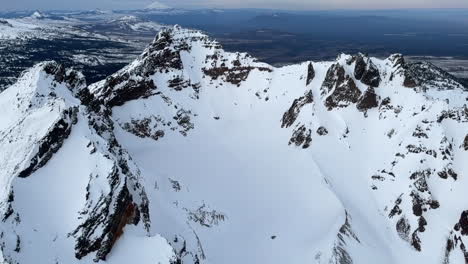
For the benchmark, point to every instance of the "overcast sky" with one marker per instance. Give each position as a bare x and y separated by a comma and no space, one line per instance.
274,4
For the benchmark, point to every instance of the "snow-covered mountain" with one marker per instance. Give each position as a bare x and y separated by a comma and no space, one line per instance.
38,15
133,23
191,154
157,6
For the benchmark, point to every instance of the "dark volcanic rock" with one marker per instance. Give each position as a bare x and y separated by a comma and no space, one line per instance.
301,137
125,203
446,172
232,70
322,131
183,119
398,60
310,73
235,75
144,129
291,115
409,82
52,142
465,143
55,137
368,100
132,83
345,234
462,224
403,228
131,90
343,88
360,67
160,61
72,78
416,241
178,83
403,68
104,221
429,76
366,71
124,212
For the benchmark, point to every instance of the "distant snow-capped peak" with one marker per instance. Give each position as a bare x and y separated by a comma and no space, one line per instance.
38,15
157,5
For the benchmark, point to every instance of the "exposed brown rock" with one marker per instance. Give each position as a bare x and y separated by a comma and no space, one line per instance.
178,83
291,115
368,100
343,89
125,212
409,82
235,75
131,90
144,128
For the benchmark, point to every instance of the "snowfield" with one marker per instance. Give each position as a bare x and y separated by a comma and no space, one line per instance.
191,154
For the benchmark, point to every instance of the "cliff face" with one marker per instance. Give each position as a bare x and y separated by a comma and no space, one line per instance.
234,161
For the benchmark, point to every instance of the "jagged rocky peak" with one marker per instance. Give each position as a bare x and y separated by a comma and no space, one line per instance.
75,80
424,75
400,68
429,76
166,56
339,88
162,56
365,70
38,15
310,73
47,87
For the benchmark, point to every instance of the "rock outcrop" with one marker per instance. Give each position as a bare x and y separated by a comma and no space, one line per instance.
366,71
340,88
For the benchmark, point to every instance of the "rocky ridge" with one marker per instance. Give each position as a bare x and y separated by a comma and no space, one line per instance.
367,129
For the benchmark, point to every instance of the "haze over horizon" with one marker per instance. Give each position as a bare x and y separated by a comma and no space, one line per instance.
267,4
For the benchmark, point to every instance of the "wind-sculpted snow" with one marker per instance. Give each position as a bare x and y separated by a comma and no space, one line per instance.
236,161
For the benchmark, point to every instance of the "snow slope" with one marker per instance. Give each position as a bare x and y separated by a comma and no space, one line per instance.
235,161
14,29
64,185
